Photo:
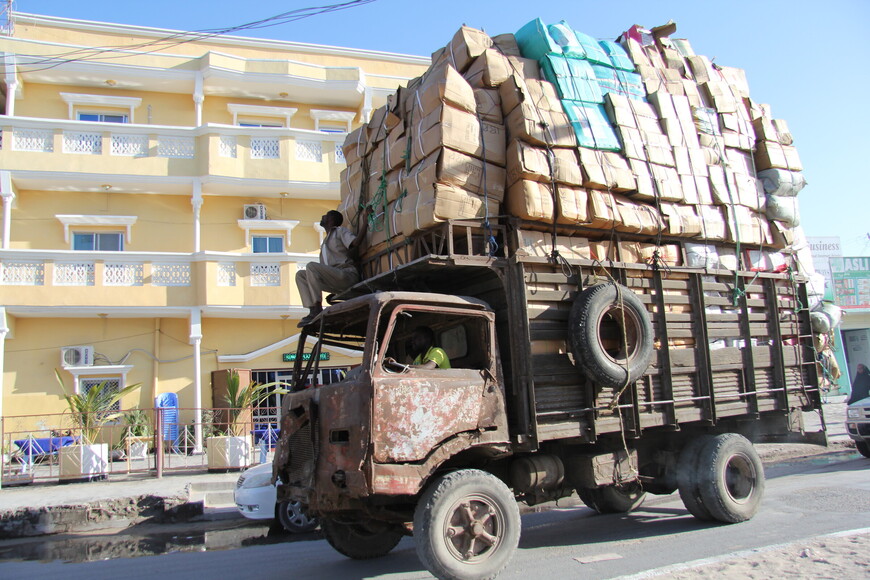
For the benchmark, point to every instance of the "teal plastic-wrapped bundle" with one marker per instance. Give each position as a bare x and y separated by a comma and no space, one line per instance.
574,78
591,125
535,41
563,35
619,59
619,82
594,52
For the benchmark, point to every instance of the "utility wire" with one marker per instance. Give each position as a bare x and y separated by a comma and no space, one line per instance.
104,53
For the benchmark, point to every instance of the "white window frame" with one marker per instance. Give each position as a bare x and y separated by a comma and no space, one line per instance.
267,226
337,117
99,372
258,111
267,237
95,234
79,113
125,221
95,102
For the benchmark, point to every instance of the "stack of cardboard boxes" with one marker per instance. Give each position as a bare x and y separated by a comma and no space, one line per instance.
638,136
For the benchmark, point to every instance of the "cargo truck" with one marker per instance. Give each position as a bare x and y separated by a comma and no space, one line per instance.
568,375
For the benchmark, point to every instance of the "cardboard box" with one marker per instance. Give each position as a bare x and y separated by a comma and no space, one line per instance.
719,95
769,154
681,220
572,205
526,161
605,170
713,226
442,84
603,251
540,126
530,200
702,69
507,44
642,253
603,213
488,70
776,130
460,170
422,211
355,145
467,44
386,225
489,105
517,90
458,130
656,182
383,121
540,245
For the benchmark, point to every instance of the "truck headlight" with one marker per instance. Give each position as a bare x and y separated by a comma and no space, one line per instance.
853,413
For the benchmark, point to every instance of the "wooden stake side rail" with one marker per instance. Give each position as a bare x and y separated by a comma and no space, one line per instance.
726,344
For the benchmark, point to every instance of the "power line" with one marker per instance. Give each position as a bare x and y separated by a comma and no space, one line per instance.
104,53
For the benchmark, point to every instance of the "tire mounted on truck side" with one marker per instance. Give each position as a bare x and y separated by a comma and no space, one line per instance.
466,526
605,315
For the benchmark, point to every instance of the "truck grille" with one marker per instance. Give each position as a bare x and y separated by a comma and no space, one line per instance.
302,451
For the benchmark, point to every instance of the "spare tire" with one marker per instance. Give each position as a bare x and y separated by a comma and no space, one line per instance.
611,335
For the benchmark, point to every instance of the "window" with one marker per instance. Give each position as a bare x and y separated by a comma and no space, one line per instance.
255,124
267,244
99,242
103,117
108,385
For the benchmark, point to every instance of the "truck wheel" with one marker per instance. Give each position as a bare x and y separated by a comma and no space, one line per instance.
863,448
731,478
361,539
613,499
466,525
611,335
687,477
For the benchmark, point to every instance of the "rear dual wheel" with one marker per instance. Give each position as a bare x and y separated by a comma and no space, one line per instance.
721,478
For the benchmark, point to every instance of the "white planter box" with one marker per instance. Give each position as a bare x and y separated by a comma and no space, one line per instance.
228,452
83,461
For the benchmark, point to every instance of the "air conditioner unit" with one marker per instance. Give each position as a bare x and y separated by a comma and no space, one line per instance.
77,356
255,211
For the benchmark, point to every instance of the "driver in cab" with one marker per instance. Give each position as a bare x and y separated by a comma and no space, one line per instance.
426,354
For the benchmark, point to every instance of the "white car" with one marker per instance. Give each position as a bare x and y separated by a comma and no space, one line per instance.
255,497
858,425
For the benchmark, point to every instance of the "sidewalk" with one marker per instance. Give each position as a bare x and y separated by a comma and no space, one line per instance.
53,508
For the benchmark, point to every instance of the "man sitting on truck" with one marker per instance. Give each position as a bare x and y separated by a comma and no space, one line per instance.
428,356
336,271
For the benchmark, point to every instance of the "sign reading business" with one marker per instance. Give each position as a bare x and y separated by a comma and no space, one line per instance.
851,282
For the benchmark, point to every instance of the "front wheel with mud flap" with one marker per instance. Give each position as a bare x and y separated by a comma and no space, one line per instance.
731,478
613,499
466,526
361,539
687,477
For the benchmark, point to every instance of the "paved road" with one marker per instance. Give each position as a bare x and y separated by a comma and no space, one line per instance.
803,500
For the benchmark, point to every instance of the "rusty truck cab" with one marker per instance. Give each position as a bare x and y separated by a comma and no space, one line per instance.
382,431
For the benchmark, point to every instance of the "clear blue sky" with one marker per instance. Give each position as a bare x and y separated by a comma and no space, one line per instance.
808,59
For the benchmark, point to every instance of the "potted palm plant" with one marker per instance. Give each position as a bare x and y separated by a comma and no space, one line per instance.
137,433
90,411
232,449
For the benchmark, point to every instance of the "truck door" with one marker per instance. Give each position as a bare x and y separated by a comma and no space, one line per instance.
415,409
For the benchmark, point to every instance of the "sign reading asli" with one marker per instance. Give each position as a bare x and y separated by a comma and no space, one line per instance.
851,282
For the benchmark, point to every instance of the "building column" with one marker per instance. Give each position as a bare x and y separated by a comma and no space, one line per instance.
196,202
196,341
198,98
11,83
8,195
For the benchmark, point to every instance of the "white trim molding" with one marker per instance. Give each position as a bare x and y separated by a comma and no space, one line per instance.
285,113
74,99
341,116
99,371
125,221
267,225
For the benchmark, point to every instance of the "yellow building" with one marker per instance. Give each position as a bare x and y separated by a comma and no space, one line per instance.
160,190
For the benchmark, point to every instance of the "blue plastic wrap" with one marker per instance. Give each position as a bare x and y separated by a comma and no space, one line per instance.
594,52
618,57
574,78
535,41
563,35
591,125
620,82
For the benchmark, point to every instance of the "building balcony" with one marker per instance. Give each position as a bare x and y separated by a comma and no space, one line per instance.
133,280
218,151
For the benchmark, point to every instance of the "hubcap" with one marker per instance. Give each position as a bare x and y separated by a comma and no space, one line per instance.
740,477
474,529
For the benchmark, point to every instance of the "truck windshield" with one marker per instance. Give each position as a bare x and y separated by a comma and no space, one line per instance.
345,329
